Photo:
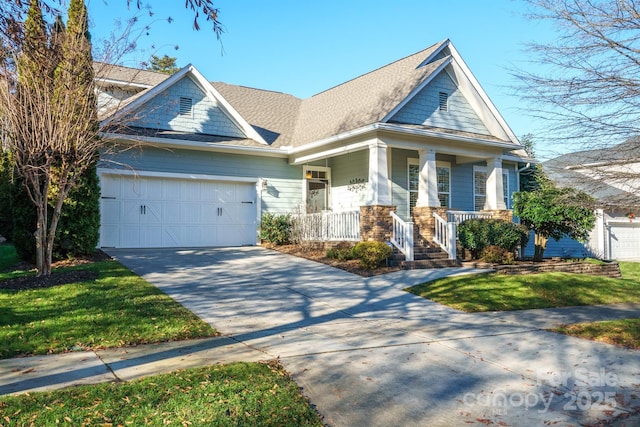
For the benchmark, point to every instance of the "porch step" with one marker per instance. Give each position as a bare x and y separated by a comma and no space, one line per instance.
428,263
424,257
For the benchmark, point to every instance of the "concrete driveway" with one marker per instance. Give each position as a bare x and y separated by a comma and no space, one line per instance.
367,353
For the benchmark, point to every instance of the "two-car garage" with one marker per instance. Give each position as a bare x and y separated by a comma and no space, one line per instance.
159,211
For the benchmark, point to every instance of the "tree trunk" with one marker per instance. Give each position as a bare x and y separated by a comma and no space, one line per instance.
540,244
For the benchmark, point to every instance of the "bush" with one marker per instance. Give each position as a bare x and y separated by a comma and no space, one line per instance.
78,229
371,254
6,188
497,255
478,233
342,252
276,228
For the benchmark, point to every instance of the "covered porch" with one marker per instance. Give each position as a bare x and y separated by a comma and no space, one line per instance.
411,192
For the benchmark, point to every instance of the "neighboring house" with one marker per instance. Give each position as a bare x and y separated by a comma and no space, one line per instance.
612,177
416,137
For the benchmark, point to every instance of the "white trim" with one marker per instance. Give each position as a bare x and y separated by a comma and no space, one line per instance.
191,72
412,161
417,89
193,145
305,184
121,83
505,172
442,164
175,175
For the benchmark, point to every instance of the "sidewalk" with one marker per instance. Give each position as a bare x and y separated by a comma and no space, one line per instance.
51,372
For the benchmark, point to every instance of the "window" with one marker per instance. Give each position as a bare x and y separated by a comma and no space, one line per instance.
443,172
480,187
443,101
317,186
186,107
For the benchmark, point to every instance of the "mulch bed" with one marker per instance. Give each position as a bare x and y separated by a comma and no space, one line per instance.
318,255
56,278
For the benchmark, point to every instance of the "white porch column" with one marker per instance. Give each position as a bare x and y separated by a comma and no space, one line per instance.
428,181
379,188
495,189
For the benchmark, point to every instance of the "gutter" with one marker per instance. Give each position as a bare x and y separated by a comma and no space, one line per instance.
189,145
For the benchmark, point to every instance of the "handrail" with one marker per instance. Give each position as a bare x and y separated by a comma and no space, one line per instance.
461,216
445,235
402,236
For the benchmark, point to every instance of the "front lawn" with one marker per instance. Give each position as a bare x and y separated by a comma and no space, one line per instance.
625,332
494,292
239,394
116,309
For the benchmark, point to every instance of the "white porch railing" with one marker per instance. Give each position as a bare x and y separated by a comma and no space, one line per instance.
326,226
402,236
460,216
445,235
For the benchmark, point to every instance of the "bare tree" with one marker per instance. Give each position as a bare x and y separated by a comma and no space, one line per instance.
589,86
585,85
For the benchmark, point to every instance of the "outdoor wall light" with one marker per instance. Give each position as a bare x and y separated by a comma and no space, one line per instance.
264,184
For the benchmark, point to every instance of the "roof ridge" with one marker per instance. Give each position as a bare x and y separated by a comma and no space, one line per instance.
380,68
253,88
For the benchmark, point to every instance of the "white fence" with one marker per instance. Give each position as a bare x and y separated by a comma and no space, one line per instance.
326,226
460,216
402,236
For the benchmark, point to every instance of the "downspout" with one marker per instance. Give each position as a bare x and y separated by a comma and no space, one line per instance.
519,171
527,166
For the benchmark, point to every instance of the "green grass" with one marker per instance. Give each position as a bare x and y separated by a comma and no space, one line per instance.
489,292
8,257
117,309
239,394
625,332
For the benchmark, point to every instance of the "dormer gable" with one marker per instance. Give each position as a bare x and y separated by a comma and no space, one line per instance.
186,102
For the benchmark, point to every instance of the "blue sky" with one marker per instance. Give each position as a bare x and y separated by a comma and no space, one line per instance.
304,47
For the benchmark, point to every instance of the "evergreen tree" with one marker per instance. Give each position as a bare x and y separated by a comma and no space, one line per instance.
166,64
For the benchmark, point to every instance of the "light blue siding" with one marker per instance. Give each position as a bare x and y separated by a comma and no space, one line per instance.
462,187
423,109
284,181
162,112
565,247
346,170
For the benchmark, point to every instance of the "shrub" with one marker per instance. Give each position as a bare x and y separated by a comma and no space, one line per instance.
276,228
497,255
342,252
478,233
371,254
6,187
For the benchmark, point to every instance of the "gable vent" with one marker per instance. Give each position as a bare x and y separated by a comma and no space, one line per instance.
186,106
443,101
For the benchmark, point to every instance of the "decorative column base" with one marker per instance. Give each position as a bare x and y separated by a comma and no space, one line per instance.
376,223
425,224
504,214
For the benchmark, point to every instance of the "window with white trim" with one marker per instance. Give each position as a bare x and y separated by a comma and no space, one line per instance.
443,172
480,187
317,185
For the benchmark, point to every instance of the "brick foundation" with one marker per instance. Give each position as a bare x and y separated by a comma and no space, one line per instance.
506,215
376,223
425,224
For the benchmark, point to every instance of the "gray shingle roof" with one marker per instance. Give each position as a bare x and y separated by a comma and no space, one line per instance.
272,114
127,75
364,100
563,170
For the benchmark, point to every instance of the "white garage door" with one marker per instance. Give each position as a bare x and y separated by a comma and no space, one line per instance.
142,212
625,240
